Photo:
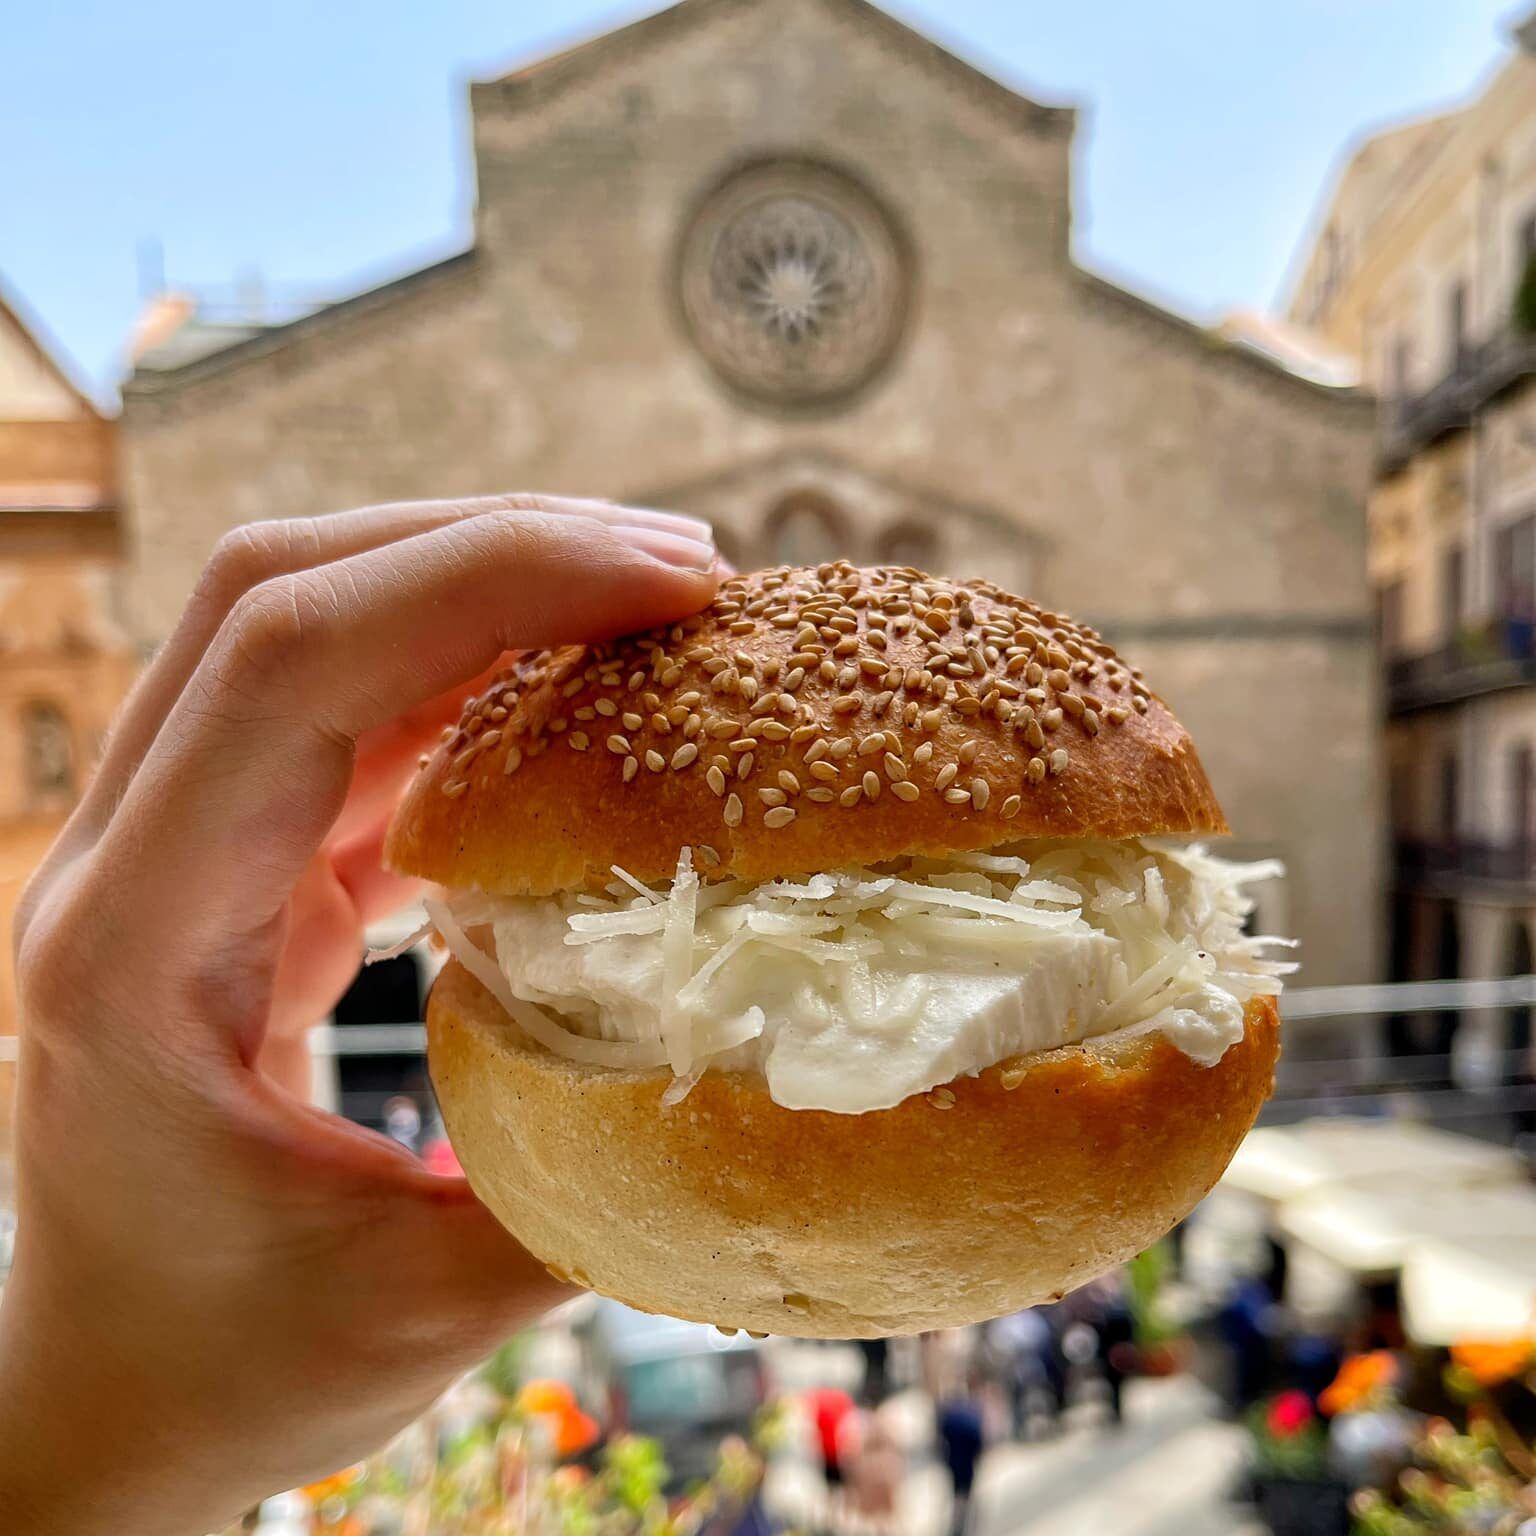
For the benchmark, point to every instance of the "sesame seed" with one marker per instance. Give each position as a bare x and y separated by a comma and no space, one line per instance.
743,744
1058,760
631,721
572,688
968,753
684,755
788,782
618,745
1118,714
817,750
514,760
779,816
1071,703
772,796
847,704
932,719
1051,719
1091,722
905,789
821,795
716,780
871,783
586,712
850,796
744,764
733,811
1012,1078
942,1098
981,792
655,761
1010,807
453,788
946,776
558,724
923,752
827,772
958,796
895,769
872,743
606,707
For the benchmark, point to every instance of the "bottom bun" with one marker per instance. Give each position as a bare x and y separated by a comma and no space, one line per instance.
730,1209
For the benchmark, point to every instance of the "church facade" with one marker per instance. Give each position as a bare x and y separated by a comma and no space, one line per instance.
792,266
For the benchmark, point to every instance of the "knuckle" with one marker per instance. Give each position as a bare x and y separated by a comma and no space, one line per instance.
270,628
53,953
242,559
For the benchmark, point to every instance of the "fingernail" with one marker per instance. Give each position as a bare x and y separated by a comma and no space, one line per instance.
672,522
671,548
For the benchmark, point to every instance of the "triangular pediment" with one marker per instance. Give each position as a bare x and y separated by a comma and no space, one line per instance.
586,63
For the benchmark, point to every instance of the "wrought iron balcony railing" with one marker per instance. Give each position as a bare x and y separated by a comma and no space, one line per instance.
1493,658
1480,375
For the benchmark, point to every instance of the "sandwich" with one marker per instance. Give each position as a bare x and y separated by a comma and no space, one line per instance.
839,961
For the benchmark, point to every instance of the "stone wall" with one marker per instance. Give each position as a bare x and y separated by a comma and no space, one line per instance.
1032,422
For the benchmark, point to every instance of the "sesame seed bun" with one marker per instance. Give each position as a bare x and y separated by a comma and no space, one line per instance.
999,1192
808,719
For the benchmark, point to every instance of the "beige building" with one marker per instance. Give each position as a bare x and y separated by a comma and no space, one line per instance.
64,661
1417,268
793,266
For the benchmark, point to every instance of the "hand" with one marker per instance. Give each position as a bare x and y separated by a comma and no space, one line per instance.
218,1290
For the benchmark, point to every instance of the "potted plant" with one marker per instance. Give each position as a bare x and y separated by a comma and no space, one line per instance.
1293,1488
1160,1342
1477,1478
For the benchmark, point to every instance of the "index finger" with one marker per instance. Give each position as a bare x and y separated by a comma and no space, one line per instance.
253,764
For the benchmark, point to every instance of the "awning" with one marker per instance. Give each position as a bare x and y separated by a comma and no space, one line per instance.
1284,1162
1475,1290
1373,1230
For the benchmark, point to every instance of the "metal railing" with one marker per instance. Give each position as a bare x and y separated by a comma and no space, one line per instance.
1491,658
1449,863
1479,375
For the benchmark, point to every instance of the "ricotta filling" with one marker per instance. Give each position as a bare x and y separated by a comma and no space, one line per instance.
853,989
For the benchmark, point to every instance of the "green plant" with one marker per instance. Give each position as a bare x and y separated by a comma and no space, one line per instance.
1146,1278
1287,1437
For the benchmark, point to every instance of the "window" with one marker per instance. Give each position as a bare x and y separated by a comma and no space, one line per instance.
1450,786
1402,367
1456,323
909,543
1451,572
49,755
1389,618
805,529
1514,561
1520,788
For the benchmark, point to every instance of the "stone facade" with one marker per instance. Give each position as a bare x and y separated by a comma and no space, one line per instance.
1421,249
960,394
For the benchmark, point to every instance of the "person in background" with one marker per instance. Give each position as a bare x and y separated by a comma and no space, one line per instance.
962,1438
873,1470
1245,1321
876,1354
1115,1330
830,1409
1025,1354
402,1122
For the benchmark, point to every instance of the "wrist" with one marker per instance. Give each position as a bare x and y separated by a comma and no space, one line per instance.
57,1476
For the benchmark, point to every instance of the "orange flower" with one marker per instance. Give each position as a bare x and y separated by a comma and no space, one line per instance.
1361,1378
1489,1365
336,1483
574,1430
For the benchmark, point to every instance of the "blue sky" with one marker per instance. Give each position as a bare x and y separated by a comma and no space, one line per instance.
325,144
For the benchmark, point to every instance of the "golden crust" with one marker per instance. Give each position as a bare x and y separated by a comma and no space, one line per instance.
758,731
730,1209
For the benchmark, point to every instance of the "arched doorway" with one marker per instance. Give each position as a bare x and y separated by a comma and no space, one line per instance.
806,528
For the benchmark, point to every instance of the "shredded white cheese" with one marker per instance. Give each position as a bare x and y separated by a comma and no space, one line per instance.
854,988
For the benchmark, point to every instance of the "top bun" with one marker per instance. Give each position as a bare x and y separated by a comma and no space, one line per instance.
809,718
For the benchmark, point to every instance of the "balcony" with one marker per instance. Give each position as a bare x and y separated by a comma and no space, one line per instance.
1481,374
1449,865
1493,659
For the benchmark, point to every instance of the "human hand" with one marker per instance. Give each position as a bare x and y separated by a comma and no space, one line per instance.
218,1290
